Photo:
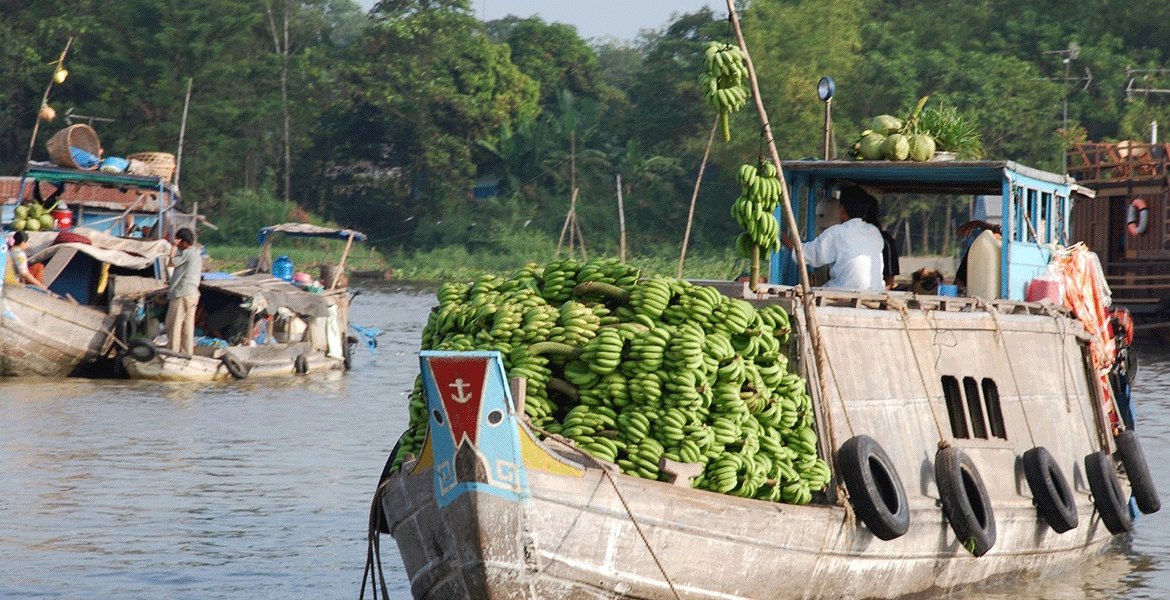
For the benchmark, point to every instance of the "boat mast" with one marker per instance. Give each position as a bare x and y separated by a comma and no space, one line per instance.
807,303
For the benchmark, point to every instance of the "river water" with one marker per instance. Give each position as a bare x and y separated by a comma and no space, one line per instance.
251,489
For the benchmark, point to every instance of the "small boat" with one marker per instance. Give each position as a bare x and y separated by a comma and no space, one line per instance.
970,439
254,324
79,328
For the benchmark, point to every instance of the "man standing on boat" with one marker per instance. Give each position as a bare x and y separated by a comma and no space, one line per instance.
183,292
853,247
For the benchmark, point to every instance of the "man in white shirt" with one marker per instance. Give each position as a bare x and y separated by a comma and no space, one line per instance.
853,247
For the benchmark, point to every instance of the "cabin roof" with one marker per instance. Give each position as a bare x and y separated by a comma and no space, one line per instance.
943,177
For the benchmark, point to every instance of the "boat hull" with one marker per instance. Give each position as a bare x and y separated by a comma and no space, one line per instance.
483,513
604,535
257,361
44,335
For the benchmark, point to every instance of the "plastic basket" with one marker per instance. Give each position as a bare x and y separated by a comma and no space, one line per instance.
75,136
161,164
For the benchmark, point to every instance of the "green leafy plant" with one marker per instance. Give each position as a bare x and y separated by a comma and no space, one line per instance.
951,131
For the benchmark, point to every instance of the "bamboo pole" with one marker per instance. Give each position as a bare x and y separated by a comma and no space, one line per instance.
621,219
341,263
695,196
810,312
32,142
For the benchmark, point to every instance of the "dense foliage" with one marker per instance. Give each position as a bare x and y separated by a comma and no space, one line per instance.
425,127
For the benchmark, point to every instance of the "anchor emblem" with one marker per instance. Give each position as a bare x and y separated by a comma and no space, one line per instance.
462,395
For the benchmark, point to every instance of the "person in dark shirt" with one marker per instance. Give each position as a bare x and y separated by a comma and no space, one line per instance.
890,256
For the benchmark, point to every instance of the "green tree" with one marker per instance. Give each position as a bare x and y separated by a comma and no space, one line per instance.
413,98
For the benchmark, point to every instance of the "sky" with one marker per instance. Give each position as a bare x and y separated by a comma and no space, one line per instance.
593,18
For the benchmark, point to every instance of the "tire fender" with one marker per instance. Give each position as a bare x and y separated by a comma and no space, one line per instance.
875,490
965,502
1050,491
1141,483
142,350
235,366
1108,497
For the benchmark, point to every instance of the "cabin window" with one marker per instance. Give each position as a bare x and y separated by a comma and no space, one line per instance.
973,408
994,413
954,398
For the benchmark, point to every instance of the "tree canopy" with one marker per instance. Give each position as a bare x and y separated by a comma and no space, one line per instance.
424,126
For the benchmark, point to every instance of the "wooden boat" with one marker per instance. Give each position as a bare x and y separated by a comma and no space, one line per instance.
972,440
1121,223
257,325
77,329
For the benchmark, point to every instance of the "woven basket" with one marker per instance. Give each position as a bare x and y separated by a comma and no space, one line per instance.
161,164
75,136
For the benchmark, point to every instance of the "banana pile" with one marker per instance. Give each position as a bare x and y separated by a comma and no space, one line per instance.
755,209
635,371
722,81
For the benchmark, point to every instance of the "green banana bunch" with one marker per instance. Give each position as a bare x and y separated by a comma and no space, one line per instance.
755,208
633,371
722,81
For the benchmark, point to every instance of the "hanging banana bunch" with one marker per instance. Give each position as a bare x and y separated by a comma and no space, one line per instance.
755,209
723,81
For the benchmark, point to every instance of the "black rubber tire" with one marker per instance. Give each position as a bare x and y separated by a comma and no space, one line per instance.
965,502
234,366
122,330
142,350
347,351
1050,491
875,490
301,364
1108,496
1141,483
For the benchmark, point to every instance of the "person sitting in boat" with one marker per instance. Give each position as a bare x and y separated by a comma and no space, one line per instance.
19,253
891,267
183,292
853,247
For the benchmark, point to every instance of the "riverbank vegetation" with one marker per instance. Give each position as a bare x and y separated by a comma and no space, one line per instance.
452,141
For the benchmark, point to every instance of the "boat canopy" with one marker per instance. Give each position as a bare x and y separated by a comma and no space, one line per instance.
267,293
106,248
309,230
1036,204
54,174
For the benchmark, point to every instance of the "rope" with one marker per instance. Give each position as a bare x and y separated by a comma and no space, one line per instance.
985,305
905,312
373,568
638,528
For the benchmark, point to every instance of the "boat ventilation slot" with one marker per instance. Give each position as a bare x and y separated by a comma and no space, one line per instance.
974,408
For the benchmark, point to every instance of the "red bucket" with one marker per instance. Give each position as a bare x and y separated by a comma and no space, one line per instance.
63,217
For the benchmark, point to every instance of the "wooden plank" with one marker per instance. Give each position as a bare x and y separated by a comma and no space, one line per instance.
57,264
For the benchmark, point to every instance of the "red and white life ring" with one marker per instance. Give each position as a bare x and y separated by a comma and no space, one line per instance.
1137,218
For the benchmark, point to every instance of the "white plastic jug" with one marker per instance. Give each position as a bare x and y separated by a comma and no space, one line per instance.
983,262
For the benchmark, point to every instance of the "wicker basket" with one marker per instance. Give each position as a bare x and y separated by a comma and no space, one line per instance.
161,164
80,136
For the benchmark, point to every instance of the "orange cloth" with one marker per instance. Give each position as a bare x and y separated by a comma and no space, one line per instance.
1087,295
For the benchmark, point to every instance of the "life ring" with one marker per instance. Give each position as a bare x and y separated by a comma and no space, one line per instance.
234,366
1138,473
1137,217
142,350
301,364
875,490
1050,490
1108,496
965,502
